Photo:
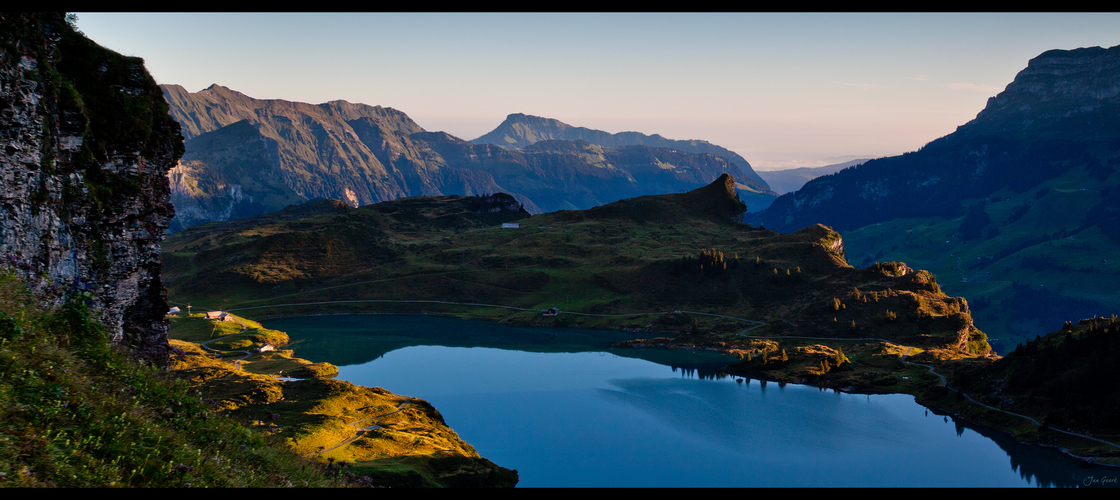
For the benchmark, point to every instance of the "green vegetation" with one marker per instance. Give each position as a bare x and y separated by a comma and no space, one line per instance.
74,412
1069,372
232,336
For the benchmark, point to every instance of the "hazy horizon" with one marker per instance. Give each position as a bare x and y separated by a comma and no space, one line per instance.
782,90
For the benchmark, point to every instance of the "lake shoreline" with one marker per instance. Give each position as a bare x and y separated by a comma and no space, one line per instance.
397,329
920,397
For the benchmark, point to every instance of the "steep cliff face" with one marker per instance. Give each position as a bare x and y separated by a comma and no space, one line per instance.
1058,86
84,199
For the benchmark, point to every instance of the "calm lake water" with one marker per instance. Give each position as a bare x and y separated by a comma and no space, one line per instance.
566,410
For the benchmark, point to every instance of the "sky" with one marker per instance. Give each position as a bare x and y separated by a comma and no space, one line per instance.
782,90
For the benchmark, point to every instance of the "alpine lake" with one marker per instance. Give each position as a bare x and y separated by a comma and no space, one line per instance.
565,409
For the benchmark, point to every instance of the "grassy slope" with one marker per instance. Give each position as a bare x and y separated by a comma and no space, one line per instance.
75,413
1012,299
414,447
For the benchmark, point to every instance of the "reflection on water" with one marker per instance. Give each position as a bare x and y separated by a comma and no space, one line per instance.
565,409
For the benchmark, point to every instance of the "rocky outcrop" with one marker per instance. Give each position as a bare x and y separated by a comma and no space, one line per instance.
84,198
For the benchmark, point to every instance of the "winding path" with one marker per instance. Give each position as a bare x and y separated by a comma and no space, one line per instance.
945,383
244,328
361,430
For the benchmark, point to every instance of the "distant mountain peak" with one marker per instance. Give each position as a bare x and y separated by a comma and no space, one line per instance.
222,90
718,198
722,187
520,130
1078,52
1054,87
527,117
1059,113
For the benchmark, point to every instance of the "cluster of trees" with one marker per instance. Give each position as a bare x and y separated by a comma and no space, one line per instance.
779,358
974,222
826,365
708,263
767,361
1074,369
496,202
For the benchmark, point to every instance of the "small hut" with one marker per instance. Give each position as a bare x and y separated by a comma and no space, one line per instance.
219,316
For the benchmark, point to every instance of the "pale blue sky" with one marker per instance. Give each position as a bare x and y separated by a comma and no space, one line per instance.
782,90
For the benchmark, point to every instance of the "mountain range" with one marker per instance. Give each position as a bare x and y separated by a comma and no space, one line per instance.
247,156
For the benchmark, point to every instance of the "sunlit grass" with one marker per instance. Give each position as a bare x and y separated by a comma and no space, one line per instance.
316,414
